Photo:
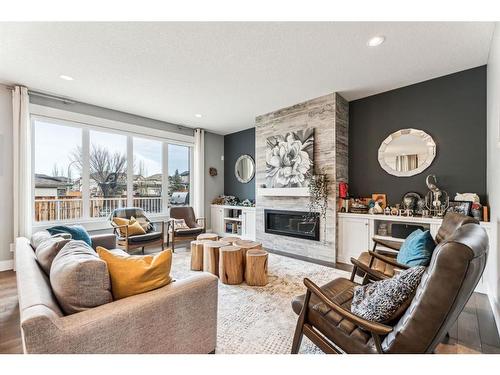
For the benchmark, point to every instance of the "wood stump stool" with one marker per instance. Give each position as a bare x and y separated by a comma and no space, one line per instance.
256,267
197,255
207,237
247,245
211,256
230,239
231,265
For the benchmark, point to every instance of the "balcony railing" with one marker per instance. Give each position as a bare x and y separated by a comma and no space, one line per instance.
71,208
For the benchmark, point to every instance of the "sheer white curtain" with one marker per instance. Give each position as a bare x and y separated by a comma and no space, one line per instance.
198,173
22,189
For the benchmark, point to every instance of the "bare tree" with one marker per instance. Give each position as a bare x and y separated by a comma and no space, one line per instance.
106,168
55,170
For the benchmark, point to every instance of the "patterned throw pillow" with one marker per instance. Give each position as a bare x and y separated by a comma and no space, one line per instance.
180,224
386,300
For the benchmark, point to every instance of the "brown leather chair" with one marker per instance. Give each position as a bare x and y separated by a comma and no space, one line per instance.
456,266
379,264
178,235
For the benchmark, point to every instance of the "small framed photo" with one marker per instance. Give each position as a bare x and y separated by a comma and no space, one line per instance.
461,207
381,198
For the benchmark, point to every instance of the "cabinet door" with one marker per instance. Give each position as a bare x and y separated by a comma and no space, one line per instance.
217,218
354,238
248,224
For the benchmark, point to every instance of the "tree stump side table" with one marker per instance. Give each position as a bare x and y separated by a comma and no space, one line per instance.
230,239
256,267
231,269
207,237
247,245
211,256
197,255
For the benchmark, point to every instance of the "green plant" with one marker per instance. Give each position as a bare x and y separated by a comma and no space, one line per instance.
318,198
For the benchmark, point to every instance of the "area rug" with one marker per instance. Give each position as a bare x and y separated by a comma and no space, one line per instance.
260,320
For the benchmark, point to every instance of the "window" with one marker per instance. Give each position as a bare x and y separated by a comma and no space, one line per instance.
178,175
58,194
107,173
148,175
83,172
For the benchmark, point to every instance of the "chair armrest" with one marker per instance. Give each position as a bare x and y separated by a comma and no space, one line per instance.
202,219
388,260
394,245
374,274
373,327
117,228
136,324
162,222
108,241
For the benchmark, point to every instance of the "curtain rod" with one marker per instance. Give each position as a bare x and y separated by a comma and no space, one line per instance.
50,96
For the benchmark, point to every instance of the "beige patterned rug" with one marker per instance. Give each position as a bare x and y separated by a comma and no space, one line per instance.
260,320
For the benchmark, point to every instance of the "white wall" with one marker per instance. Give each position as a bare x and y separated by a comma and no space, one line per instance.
6,228
214,186
492,274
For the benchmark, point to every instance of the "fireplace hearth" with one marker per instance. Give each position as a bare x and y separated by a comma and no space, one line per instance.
298,224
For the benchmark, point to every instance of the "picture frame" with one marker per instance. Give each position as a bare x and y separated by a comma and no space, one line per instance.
382,198
461,207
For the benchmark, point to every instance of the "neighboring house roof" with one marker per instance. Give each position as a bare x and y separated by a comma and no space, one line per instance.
185,173
44,181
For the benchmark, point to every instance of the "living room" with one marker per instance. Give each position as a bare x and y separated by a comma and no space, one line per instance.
249,187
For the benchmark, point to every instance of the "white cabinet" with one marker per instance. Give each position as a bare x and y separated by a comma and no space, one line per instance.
217,213
248,223
233,220
354,238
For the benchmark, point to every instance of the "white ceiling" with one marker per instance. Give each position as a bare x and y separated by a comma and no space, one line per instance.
230,72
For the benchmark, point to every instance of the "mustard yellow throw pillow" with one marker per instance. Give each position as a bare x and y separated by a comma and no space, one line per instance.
135,274
133,226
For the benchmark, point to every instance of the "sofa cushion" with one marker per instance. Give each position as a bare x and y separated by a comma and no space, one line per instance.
386,300
47,251
38,237
79,278
134,274
77,232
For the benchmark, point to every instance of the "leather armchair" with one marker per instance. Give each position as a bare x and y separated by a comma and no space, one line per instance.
196,225
456,267
153,237
379,264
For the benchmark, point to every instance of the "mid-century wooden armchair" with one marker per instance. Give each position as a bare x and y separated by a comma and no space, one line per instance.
152,237
195,225
379,264
456,267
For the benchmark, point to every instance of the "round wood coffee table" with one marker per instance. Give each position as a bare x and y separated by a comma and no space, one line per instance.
256,267
211,256
231,269
207,237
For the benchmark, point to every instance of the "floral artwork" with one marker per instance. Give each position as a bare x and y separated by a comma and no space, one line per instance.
289,159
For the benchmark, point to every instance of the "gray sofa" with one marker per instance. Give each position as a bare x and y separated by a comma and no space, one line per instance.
178,318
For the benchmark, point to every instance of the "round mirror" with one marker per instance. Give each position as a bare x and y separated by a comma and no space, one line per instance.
244,169
407,152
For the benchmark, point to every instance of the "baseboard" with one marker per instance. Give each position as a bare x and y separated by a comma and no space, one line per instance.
6,265
495,307
304,258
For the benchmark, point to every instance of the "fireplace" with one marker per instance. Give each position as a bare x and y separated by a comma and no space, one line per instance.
292,223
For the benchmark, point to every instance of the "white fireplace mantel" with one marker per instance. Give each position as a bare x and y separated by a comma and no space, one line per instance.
283,192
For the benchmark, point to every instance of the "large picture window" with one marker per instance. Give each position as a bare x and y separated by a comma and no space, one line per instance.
81,172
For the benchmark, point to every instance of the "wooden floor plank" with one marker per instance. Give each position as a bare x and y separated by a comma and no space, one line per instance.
474,332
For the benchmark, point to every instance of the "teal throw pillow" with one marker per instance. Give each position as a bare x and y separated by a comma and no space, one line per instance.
417,249
77,232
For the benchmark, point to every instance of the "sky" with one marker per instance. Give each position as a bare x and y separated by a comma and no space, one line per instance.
54,144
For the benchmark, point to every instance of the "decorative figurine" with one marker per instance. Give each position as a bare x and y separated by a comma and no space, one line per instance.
436,200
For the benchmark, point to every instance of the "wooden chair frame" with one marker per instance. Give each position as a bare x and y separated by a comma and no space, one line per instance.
123,242
304,327
171,238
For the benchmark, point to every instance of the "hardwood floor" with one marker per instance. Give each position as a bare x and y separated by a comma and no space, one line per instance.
474,332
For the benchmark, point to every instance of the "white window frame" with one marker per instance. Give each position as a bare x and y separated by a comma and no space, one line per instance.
87,123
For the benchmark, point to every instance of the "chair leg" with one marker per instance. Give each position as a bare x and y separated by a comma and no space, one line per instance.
299,330
143,250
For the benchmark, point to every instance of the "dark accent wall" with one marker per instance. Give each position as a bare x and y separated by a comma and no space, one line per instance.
452,109
235,145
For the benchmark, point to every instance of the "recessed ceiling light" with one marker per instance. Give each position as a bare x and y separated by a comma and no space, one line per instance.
198,115
376,41
66,78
